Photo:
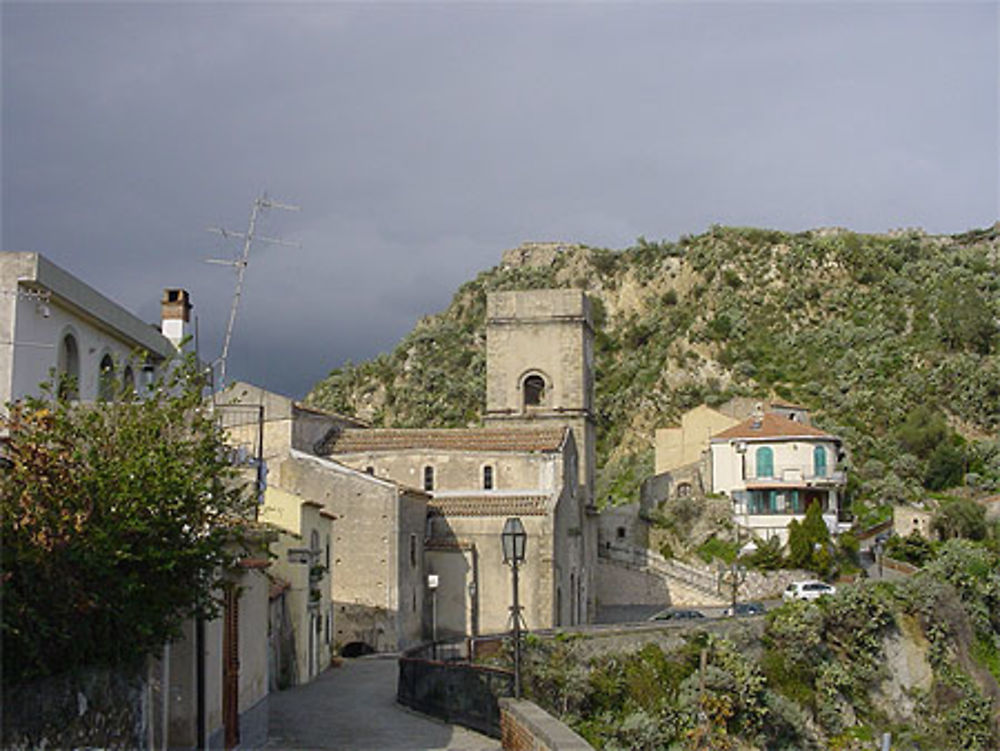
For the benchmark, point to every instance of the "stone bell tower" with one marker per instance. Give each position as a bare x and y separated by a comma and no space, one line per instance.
540,366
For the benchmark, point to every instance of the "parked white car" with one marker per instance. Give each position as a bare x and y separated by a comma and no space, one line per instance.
807,590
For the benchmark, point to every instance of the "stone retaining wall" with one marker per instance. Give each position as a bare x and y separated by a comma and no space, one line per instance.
620,585
525,726
636,576
97,708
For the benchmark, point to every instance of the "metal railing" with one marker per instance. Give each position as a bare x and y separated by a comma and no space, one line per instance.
451,688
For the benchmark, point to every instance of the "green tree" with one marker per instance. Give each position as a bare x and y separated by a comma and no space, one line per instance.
809,542
117,520
945,466
964,317
922,431
960,517
913,548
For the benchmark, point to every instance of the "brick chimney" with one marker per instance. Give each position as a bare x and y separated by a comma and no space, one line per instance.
175,315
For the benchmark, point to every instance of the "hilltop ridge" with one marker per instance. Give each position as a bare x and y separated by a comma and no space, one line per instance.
881,336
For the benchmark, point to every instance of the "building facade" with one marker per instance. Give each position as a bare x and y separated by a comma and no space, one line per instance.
774,468
373,584
475,479
301,567
377,559
533,459
52,324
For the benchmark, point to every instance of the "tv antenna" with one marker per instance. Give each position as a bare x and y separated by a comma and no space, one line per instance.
240,264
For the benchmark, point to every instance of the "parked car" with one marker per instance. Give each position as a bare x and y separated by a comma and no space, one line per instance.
807,590
676,614
746,608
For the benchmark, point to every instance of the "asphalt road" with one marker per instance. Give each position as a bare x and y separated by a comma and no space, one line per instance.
353,708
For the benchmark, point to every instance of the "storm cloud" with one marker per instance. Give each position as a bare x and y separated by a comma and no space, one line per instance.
421,140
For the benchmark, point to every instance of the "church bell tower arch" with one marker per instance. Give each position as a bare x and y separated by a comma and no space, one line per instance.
540,366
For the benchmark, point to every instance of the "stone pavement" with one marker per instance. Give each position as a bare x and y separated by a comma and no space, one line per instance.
353,708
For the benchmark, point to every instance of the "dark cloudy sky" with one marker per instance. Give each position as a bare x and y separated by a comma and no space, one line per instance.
421,140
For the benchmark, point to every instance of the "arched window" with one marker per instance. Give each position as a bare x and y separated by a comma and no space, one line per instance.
765,462
69,368
572,599
428,478
128,381
487,477
819,461
106,380
534,390
314,541
684,490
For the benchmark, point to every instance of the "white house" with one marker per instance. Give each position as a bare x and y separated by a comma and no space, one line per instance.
774,468
213,682
52,321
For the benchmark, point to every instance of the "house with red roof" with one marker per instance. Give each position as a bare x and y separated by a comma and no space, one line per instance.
774,467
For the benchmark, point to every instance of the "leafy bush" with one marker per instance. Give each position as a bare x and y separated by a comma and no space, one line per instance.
809,542
767,556
117,520
960,517
913,548
713,548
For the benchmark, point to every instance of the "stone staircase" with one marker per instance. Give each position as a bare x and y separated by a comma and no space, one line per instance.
688,584
696,585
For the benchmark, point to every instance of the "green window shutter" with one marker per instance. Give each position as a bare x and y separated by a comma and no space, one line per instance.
819,461
765,462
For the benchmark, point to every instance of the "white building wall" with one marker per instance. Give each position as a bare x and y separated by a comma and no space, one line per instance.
793,462
37,340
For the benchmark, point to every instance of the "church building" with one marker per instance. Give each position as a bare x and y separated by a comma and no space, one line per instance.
533,459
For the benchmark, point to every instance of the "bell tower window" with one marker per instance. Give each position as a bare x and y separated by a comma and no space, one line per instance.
534,390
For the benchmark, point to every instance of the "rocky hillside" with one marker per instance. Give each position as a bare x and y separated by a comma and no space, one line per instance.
917,658
891,340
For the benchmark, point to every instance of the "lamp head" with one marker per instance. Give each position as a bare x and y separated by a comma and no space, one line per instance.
513,540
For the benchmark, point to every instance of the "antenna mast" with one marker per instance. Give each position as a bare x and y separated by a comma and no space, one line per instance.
240,264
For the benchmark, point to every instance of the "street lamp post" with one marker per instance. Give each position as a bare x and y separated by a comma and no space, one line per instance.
737,573
432,585
513,540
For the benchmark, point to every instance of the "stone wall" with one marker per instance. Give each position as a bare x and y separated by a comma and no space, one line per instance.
620,585
99,708
372,581
525,726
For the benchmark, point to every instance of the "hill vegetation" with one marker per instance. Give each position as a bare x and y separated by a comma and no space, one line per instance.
918,658
890,340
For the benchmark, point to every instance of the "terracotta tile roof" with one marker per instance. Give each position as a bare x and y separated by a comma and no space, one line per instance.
277,587
771,426
351,441
490,505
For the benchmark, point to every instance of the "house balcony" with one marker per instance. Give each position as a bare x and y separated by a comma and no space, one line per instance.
798,478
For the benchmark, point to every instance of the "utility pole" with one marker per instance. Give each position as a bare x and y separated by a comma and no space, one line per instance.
240,264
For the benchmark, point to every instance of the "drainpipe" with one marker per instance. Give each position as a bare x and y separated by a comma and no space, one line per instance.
199,650
165,693
474,594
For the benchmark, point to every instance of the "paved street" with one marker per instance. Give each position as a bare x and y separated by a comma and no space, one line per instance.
353,708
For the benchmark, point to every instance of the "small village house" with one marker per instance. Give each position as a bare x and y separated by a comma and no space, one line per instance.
774,468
